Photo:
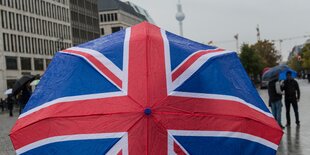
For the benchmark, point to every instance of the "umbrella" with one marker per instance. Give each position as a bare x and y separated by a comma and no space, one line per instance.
273,72
265,69
144,90
282,75
8,91
34,82
21,83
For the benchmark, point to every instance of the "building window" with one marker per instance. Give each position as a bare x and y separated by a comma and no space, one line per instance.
20,44
38,64
81,3
5,42
48,61
83,34
101,18
102,31
13,43
115,29
10,83
112,17
10,4
11,63
40,46
109,18
82,18
25,63
89,20
27,44
4,19
115,16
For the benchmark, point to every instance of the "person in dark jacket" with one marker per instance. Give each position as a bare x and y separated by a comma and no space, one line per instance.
24,97
10,102
2,104
292,96
275,101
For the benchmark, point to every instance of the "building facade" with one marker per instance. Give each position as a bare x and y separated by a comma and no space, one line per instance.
31,31
296,51
141,11
84,20
115,15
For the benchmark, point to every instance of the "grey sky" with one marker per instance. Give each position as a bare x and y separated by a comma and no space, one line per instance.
220,20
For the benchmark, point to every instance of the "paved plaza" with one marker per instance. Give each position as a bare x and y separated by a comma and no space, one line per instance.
295,140
6,124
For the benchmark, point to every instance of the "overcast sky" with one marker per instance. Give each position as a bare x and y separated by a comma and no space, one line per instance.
220,20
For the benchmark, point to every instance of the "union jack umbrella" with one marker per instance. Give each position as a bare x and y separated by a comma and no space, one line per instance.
144,90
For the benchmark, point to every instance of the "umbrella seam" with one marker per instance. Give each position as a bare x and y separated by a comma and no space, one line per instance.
206,115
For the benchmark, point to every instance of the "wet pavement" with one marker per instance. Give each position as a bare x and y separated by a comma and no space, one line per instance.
295,141
6,124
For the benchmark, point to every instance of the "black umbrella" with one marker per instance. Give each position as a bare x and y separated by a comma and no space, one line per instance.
21,83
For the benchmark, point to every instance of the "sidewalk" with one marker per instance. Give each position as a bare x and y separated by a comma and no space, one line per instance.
6,124
295,140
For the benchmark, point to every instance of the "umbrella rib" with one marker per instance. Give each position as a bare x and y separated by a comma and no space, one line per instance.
135,101
219,115
115,113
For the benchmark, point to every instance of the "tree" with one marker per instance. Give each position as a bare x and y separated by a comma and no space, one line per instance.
295,64
305,55
251,61
269,55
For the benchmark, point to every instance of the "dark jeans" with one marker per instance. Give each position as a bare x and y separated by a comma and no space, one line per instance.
2,107
288,103
21,107
11,110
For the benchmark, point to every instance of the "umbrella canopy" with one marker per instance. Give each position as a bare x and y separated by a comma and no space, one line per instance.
265,69
282,75
8,91
279,70
144,90
34,82
21,83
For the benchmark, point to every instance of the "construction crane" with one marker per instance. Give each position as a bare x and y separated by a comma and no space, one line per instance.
280,41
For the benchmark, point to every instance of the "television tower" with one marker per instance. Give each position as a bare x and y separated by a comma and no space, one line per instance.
180,17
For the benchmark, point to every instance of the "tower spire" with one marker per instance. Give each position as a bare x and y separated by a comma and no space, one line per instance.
180,16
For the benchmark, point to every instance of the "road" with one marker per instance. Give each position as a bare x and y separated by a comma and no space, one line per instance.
295,141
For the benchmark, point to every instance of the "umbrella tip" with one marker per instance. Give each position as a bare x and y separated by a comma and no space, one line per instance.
147,111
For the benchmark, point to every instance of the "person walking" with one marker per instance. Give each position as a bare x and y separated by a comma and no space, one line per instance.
2,104
308,76
275,100
10,102
292,96
24,97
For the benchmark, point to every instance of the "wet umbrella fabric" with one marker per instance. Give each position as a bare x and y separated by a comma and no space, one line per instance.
144,90
274,71
282,75
8,91
34,82
21,83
